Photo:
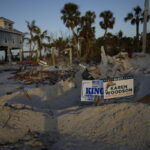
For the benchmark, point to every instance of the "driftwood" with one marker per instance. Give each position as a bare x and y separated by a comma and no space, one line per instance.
9,117
97,101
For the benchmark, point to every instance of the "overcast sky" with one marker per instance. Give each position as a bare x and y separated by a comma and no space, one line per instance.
47,13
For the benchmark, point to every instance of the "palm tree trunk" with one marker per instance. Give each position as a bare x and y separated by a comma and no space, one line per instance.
137,30
105,33
75,41
105,38
137,35
87,50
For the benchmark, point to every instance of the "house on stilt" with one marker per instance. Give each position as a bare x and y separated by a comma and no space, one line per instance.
10,39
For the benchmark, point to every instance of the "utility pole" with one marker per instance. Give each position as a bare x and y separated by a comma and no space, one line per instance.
145,26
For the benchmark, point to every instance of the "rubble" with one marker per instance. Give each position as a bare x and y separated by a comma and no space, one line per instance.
43,75
114,66
7,67
86,75
43,63
110,66
145,99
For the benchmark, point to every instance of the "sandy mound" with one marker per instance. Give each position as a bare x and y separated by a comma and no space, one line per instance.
111,127
42,97
17,120
122,125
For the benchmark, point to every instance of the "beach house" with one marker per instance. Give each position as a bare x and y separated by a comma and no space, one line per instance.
10,39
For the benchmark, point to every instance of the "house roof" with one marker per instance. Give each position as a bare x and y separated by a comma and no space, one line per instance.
12,31
5,19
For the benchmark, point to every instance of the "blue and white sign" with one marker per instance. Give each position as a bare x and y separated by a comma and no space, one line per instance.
90,89
107,89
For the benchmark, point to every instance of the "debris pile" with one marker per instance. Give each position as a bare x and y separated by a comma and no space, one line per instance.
41,75
116,66
91,73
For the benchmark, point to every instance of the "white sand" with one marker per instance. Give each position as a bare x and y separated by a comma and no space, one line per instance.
112,126
122,125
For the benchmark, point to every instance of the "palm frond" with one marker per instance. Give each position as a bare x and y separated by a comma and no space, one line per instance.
128,17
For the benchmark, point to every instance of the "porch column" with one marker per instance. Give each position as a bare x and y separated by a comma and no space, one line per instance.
21,55
6,55
9,54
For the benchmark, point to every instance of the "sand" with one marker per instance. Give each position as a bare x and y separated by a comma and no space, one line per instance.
112,126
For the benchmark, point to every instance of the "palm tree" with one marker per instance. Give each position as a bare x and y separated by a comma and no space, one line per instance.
60,43
39,39
29,36
135,18
108,20
47,43
120,37
71,18
120,34
87,31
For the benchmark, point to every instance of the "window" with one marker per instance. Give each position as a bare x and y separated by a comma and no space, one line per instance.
5,40
10,26
5,23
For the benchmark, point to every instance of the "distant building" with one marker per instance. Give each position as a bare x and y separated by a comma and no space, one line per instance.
10,38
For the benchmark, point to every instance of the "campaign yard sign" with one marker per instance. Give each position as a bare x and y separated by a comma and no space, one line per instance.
107,89
91,89
118,87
